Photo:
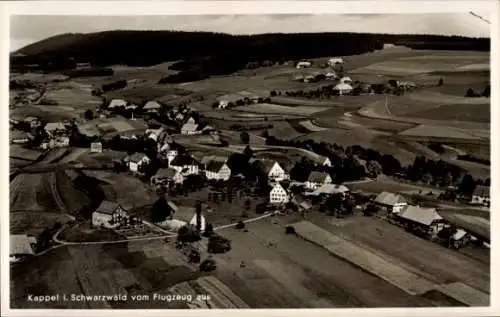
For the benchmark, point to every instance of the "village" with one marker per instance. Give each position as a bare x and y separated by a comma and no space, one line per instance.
248,184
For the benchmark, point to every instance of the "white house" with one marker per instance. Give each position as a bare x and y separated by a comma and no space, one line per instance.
185,164
343,89
96,147
189,129
317,179
334,61
278,195
481,196
108,214
57,142
136,160
274,171
346,80
392,203
303,64
55,129
115,103
166,175
218,171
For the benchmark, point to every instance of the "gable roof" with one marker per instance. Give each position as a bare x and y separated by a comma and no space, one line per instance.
215,166
136,157
267,165
329,189
52,126
117,103
342,86
168,173
420,215
107,207
152,105
207,159
20,244
183,160
482,191
317,177
278,186
189,127
389,199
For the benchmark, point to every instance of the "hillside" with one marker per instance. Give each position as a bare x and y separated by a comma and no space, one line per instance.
215,53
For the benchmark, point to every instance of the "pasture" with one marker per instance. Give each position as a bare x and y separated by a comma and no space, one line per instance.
266,108
34,222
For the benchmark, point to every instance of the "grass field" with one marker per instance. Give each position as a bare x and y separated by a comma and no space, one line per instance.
265,108
16,151
33,222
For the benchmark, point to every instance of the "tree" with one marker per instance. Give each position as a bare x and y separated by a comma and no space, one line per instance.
248,152
218,244
246,208
373,168
441,81
486,91
198,216
244,137
160,210
208,265
188,234
88,115
470,93
467,185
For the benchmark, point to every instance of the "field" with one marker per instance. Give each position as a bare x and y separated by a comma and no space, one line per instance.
265,108
32,222
125,189
16,151
53,192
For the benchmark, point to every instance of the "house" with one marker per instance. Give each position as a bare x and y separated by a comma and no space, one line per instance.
392,203
151,106
96,147
191,120
115,103
278,195
55,129
343,89
421,220
136,160
166,176
335,61
182,216
34,122
189,129
303,64
108,214
218,171
185,164
273,170
21,246
481,196
316,179
155,134
329,189
346,80
57,142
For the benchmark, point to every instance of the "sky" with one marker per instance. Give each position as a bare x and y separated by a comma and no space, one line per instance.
26,29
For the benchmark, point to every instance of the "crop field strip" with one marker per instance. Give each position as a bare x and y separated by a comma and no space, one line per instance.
368,261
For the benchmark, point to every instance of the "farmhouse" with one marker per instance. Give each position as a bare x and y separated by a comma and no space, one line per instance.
155,134
303,64
329,189
323,161
167,175
481,196
392,203
55,129
151,106
421,220
183,216
185,164
96,147
190,129
346,80
57,142
136,160
335,61
218,171
108,214
343,89
273,170
316,179
21,246
278,195
115,103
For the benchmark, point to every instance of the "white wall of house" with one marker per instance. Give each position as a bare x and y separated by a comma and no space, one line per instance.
171,154
278,195
314,185
479,200
277,173
187,169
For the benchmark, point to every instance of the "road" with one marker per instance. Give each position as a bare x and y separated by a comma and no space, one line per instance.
169,235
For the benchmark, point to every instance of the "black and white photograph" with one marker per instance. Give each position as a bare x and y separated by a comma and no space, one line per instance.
249,161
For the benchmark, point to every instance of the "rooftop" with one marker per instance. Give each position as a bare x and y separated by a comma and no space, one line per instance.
420,215
215,166
107,207
389,199
317,177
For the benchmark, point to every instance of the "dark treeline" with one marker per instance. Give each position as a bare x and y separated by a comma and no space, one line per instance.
204,54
